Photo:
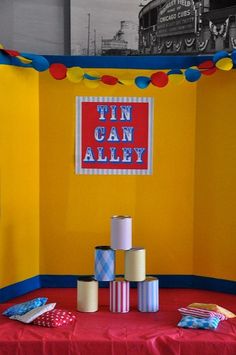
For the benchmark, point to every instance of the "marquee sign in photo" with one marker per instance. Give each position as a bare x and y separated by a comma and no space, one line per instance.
177,17
114,135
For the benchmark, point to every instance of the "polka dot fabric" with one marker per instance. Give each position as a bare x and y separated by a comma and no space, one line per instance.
55,318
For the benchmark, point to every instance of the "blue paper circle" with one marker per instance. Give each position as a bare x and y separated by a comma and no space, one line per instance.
234,57
142,82
90,77
5,59
192,75
39,62
220,55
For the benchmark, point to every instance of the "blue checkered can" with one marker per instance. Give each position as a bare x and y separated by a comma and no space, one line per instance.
104,263
148,295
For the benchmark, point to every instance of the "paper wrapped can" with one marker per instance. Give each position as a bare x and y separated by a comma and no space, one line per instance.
104,263
119,295
148,295
121,232
135,264
87,294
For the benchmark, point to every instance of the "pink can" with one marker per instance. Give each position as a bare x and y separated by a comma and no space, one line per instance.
119,295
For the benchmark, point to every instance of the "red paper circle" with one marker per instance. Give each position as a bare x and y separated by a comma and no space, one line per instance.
11,52
58,71
210,71
109,80
159,79
208,64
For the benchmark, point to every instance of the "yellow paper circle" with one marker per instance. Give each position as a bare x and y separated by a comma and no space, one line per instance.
75,74
1,46
92,84
225,64
176,79
127,81
24,60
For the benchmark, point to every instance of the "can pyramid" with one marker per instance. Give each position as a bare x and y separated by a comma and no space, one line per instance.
134,269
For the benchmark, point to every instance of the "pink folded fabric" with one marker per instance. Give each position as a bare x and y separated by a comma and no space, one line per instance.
200,313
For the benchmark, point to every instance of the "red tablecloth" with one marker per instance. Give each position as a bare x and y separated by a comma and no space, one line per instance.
134,333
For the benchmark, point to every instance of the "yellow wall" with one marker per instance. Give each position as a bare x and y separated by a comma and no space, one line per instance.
19,164
215,193
75,210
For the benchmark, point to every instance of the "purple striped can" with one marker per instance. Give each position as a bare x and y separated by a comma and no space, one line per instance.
119,295
148,295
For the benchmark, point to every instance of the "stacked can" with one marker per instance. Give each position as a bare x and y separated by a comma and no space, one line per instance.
121,232
121,239
104,263
119,295
148,295
135,264
135,270
87,294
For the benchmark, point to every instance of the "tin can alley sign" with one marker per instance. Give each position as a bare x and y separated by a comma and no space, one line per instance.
114,135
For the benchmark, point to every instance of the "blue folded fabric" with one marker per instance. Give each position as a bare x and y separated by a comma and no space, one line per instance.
199,323
22,308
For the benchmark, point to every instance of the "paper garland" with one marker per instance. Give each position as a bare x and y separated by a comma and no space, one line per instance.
221,61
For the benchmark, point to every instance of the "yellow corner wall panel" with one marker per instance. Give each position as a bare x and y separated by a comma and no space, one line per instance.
215,192
19,163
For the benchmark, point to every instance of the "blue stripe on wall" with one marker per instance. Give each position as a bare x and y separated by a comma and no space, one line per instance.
119,62
212,284
62,281
19,288
132,62
175,281
165,281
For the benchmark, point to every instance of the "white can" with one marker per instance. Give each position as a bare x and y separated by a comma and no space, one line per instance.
121,232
